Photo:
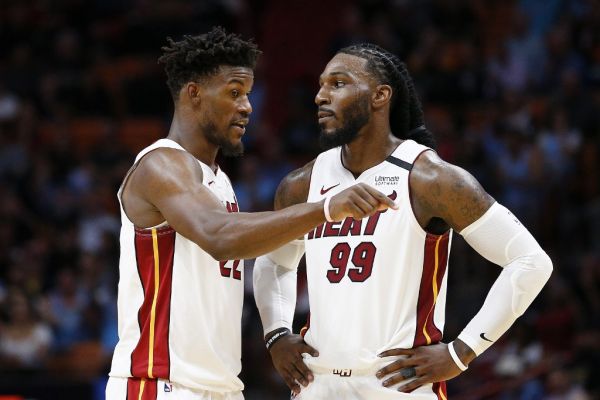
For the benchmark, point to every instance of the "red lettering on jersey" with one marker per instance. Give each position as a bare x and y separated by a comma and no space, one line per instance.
226,272
372,223
331,229
232,207
317,232
351,226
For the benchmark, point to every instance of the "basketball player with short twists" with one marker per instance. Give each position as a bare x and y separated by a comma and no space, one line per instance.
377,285
182,237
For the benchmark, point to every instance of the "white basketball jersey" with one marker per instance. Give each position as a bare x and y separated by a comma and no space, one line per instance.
377,283
179,309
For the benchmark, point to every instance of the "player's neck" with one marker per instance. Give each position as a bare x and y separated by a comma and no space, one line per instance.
185,132
368,150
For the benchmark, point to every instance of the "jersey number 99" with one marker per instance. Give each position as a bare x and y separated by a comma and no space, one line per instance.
362,258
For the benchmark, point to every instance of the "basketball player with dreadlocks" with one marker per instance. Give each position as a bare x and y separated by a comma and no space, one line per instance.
182,238
377,286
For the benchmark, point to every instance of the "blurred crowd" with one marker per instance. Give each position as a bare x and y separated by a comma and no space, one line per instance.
511,90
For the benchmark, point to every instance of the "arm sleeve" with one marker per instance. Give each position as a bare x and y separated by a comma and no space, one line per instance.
502,239
274,279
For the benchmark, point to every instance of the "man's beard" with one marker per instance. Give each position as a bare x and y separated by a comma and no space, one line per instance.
228,149
355,116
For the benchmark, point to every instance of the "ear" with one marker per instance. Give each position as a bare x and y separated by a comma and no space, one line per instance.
381,96
193,92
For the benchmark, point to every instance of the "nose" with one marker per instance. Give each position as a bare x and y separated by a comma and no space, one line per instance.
322,97
244,107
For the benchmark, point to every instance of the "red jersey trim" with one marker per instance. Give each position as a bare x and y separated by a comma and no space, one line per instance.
155,251
434,267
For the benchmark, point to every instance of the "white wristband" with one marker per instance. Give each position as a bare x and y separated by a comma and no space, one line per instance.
454,356
326,209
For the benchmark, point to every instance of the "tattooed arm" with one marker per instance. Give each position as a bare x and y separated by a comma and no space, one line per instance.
445,196
442,191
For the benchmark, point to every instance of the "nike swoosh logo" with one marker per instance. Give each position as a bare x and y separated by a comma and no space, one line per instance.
484,338
323,190
393,195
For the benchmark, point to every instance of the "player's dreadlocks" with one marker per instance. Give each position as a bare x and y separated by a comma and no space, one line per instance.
194,57
406,113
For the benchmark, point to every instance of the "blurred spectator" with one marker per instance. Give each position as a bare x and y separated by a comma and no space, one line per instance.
559,145
511,90
66,308
25,339
560,386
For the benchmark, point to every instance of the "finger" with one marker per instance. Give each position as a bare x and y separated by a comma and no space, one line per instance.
298,376
356,212
310,350
399,378
362,190
382,198
409,387
395,366
291,383
397,352
373,202
364,205
393,380
306,373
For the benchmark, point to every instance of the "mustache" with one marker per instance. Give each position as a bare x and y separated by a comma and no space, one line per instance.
241,121
324,112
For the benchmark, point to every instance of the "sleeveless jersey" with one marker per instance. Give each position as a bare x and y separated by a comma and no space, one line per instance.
376,283
179,310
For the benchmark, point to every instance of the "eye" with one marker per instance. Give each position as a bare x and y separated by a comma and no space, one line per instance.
235,93
339,84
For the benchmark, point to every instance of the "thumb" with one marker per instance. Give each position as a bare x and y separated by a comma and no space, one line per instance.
386,202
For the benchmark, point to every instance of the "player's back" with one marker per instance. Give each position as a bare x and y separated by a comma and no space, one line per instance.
179,309
373,284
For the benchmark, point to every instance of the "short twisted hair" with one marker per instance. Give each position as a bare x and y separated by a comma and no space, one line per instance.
406,113
195,57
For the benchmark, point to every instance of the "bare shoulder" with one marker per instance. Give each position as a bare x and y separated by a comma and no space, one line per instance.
294,188
443,190
166,168
159,175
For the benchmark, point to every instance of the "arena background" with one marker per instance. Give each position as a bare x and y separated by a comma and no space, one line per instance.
511,89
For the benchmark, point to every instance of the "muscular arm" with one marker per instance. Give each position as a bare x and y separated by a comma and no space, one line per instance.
167,185
444,196
444,192
447,192
275,276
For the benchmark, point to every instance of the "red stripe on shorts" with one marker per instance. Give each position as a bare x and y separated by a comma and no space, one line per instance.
141,389
439,388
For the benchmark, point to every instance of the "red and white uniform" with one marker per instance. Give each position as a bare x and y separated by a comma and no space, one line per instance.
374,284
179,309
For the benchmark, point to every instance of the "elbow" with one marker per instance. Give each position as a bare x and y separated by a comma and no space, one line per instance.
216,247
544,265
219,252
547,265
